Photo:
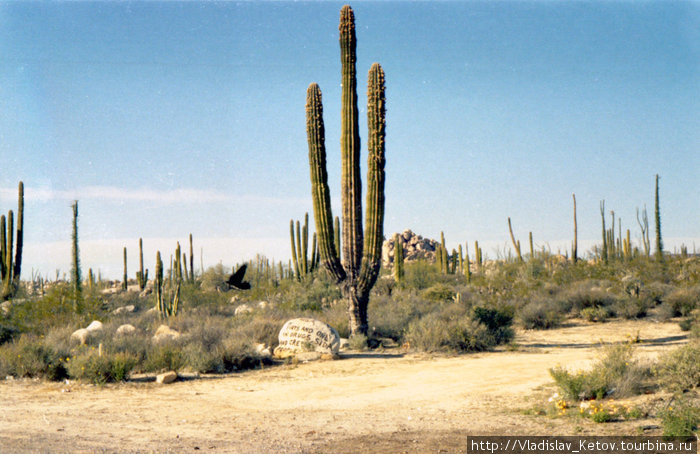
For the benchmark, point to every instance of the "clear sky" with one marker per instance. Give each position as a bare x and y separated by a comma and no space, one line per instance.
170,118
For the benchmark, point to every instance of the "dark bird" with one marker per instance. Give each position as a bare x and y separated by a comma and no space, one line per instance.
236,279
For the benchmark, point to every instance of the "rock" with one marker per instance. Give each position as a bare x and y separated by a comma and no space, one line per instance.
124,309
94,326
125,330
81,335
145,292
243,309
263,305
165,333
166,377
234,299
344,343
307,335
5,307
111,291
263,350
415,247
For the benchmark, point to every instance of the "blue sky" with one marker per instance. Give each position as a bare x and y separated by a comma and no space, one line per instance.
170,118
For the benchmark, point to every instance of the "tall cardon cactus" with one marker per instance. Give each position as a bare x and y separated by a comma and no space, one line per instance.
361,255
10,268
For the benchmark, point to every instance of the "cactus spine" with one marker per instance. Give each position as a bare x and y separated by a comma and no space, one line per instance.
361,255
10,270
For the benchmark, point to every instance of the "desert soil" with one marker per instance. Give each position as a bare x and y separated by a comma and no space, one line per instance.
388,401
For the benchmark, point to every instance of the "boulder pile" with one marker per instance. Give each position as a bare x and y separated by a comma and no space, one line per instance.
415,247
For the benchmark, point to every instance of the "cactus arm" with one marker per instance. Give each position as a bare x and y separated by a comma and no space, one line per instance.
376,127
323,215
294,248
351,183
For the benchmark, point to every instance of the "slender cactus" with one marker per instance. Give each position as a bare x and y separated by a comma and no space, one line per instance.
574,248
398,260
467,268
532,248
361,255
75,269
10,270
604,252
191,261
141,275
124,280
167,305
657,222
516,244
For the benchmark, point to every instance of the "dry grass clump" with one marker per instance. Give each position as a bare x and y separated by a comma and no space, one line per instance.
616,372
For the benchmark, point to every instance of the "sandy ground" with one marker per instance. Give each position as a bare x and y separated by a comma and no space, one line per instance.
388,401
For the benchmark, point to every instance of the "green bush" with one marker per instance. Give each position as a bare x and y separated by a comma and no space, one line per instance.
439,293
631,307
679,369
595,314
683,301
541,313
7,333
108,368
680,419
389,316
164,357
30,356
616,371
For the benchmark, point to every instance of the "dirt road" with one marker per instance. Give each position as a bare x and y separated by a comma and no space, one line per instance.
375,402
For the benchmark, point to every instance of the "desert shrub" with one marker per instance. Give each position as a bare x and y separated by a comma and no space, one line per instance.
164,356
420,275
541,313
107,368
358,342
587,294
457,328
679,369
631,307
432,333
595,314
7,333
336,315
680,419
616,371
389,316
497,321
683,301
31,356
438,293
214,277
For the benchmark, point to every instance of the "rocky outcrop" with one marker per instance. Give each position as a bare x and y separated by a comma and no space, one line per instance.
415,247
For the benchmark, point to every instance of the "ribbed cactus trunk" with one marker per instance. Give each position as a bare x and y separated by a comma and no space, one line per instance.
75,268
125,280
657,222
361,255
10,270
